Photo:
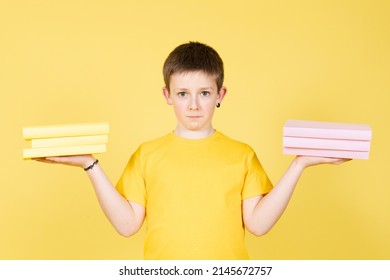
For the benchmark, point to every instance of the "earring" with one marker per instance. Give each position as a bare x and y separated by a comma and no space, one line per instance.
218,105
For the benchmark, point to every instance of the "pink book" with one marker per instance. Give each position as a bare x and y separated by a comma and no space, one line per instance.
328,130
326,153
326,144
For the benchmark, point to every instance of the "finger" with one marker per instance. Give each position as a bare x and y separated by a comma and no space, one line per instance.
344,160
338,160
64,159
43,160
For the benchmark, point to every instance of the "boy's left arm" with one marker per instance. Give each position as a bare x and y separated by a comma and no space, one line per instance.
260,213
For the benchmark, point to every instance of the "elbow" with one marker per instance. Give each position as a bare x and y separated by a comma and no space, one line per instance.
127,230
125,233
258,227
260,231
127,227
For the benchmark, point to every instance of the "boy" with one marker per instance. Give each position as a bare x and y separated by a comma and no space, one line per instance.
197,188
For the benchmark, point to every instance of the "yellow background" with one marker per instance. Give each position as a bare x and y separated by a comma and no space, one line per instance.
86,61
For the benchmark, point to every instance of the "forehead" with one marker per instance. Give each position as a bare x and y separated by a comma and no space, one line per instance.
192,79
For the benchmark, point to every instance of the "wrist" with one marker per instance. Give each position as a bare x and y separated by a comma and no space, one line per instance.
88,162
299,163
91,166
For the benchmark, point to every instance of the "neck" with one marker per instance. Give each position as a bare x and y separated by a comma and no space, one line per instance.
194,134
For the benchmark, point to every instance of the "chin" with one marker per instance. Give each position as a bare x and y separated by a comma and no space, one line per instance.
191,128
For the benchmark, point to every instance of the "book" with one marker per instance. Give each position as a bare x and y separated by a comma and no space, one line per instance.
326,153
326,144
63,151
329,130
69,141
65,130
326,139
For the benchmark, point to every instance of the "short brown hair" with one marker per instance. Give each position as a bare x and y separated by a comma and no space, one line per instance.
194,56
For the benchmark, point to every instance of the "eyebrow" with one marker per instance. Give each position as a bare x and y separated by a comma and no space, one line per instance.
185,89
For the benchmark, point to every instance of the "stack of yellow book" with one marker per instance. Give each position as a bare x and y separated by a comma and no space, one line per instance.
66,139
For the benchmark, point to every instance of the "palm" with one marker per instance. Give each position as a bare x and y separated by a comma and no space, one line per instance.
78,160
311,161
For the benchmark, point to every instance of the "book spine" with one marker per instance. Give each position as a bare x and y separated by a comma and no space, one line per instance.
330,130
65,130
327,133
326,153
63,151
326,144
69,141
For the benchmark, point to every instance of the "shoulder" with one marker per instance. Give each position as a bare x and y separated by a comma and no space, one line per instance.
233,149
234,144
157,141
152,145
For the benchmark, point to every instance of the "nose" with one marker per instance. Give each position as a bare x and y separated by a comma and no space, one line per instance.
194,104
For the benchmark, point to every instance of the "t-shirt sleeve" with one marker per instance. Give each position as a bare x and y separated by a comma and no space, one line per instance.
256,180
131,183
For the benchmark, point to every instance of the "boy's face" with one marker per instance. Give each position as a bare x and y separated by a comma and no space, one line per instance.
194,96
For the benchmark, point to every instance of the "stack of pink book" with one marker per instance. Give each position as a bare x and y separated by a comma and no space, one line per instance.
326,139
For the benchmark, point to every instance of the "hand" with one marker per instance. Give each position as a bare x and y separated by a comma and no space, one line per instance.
306,161
79,160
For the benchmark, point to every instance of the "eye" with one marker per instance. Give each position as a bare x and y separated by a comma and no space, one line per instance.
205,93
182,94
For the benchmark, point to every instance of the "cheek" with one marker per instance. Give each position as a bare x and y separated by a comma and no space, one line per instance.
179,107
210,104
210,108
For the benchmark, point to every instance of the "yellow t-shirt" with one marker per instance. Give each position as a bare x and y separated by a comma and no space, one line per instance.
192,191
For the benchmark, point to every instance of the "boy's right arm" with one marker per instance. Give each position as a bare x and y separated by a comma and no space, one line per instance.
126,216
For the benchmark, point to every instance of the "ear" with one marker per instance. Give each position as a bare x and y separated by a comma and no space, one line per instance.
221,94
167,96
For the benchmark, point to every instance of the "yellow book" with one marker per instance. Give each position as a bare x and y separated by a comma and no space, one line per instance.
69,141
63,151
65,130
